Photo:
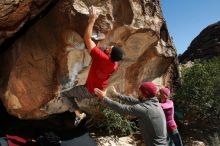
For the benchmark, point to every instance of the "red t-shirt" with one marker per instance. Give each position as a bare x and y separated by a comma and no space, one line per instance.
101,69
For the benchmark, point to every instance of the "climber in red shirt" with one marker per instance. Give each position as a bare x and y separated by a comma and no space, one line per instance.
104,63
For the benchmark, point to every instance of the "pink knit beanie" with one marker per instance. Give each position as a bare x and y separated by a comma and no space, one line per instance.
148,89
165,91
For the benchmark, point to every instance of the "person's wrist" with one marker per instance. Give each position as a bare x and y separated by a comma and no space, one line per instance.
92,19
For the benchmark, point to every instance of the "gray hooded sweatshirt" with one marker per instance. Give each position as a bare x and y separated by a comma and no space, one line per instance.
151,117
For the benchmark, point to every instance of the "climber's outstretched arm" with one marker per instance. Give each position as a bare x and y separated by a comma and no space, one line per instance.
88,32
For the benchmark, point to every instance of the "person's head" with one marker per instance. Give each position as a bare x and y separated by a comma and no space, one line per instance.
115,53
164,93
148,89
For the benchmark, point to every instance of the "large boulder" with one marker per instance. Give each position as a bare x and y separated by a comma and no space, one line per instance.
50,55
206,45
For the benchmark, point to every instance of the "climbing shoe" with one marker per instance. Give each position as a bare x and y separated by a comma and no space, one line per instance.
79,118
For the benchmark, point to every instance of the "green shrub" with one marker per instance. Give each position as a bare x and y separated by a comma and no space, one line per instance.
114,123
199,95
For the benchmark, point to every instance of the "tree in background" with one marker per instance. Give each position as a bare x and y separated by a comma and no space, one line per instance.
199,95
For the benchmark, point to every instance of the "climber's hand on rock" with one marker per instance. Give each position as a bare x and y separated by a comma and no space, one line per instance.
92,13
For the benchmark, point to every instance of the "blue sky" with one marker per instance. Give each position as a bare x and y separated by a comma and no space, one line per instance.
187,18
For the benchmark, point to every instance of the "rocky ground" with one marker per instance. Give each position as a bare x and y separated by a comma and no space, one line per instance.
192,135
62,126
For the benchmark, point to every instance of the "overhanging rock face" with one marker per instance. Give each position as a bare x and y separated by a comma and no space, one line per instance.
51,55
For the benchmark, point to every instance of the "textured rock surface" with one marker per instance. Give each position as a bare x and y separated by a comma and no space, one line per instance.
205,45
51,55
15,13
